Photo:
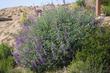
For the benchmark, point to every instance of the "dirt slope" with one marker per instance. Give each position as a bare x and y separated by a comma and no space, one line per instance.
10,28
10,24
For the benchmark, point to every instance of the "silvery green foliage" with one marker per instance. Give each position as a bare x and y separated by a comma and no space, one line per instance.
51,41
60,31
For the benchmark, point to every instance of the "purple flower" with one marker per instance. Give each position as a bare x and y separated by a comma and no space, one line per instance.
20,40
31,18
16,56
41,59
26,27
38,47
33,64
18,43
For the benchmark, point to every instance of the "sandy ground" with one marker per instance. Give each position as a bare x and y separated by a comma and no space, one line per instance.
8,31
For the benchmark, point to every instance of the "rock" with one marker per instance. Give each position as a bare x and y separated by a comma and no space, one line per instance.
2,18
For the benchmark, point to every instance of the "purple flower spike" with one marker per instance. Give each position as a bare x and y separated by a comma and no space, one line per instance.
26,27
20,40
42,61
34,65
39,47
16,56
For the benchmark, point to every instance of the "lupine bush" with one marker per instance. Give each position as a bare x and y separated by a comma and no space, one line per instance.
6,59
63,28
51,41
95,54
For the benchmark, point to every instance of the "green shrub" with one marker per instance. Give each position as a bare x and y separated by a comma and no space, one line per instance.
59,30
106,10
84,67
95,54
51,42
105,2
106,7
77,67
6,60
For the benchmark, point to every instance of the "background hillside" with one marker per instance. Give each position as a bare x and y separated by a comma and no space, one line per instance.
10,28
